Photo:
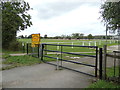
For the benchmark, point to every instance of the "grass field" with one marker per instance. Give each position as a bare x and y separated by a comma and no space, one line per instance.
73,42
98,43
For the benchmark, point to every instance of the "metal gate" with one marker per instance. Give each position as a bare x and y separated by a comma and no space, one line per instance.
57,53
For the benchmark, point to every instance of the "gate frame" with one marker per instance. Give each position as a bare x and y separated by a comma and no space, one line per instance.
96,57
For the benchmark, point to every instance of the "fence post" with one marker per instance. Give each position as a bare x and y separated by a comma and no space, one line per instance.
61,56
100,63
58,46
83,43
45,49
27,48
38,50
23,47
42,47
96,62
104,61
72,44
57,68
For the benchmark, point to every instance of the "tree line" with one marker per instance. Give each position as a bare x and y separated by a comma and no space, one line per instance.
69,37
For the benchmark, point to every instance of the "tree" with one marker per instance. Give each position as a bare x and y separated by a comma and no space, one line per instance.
110,12
81,35
30,36
90,36
14,18
77,35
45,36
21,36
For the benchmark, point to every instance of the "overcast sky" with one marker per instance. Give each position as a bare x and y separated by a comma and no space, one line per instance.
64,17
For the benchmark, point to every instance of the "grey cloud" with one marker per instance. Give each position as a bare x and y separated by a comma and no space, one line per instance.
50,10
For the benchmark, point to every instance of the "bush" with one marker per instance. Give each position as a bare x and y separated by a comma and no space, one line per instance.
15,46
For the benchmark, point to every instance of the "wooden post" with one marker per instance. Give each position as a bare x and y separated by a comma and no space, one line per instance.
104,61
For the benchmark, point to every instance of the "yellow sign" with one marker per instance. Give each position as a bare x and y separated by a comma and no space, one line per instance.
35,40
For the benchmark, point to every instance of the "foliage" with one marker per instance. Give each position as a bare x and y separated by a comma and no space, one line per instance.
110,71
110,12
45,36
14,18
30,36
104,84
90,36
77,35
16,61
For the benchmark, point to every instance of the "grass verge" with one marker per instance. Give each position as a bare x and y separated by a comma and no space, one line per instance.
104,84
17,61
110,71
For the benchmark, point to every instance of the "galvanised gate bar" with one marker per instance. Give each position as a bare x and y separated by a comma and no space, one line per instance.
61,52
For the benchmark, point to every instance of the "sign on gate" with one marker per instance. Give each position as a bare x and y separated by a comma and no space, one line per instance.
35,40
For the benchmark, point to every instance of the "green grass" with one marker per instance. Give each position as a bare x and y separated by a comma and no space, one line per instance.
104,84
110,71
64,42
65,56
69,42
10,52
16,61
51,40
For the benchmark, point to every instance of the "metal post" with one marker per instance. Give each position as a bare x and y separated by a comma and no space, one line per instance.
100,63
106,33
57,68
45,49
114,63
104,61
96,61
42,47
38,50
27,48
119,50
61,56
33,51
